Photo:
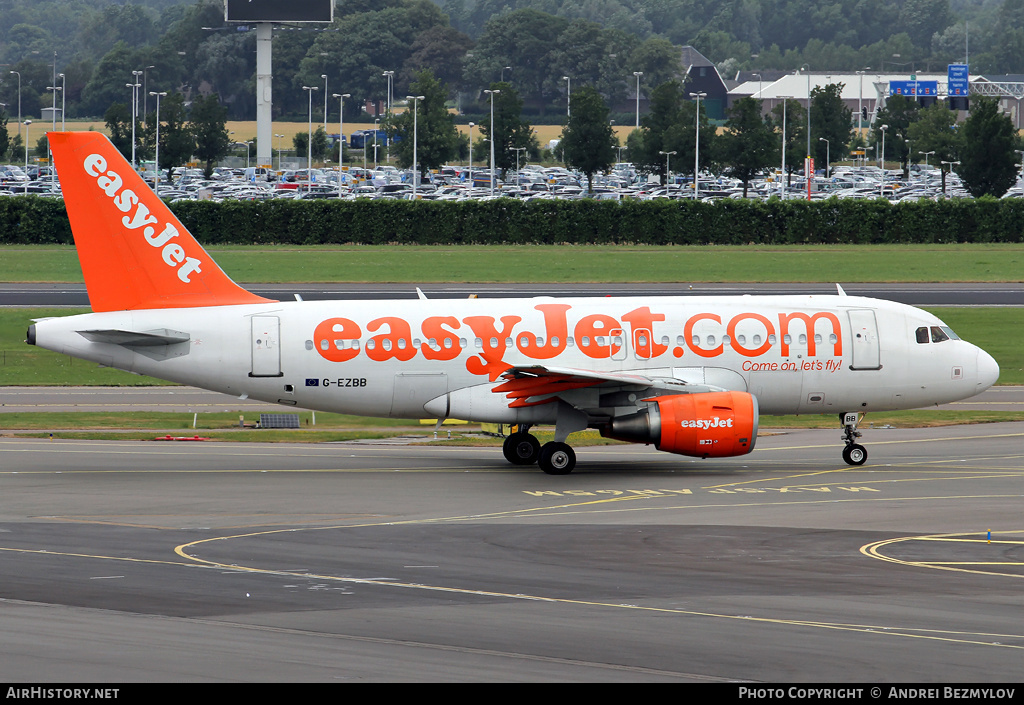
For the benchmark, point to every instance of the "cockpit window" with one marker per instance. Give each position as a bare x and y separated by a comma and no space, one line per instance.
922,334
949,331
938,334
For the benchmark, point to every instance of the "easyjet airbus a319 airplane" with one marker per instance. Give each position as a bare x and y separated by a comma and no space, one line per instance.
688,374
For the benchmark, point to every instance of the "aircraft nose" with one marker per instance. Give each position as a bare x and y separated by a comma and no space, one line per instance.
988,370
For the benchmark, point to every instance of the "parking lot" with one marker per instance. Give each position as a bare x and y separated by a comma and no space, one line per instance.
460,182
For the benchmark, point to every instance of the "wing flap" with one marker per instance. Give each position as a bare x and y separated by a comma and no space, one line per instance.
535,385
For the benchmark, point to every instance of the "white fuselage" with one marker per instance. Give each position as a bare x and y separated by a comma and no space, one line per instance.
441,357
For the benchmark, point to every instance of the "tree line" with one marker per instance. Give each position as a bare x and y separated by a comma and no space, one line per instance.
467,44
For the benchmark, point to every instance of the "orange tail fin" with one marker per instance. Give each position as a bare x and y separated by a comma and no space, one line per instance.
134,253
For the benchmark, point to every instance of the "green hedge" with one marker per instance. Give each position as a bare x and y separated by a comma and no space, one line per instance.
28,219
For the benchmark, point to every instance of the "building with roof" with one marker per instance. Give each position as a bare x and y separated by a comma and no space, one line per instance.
702,77
865,92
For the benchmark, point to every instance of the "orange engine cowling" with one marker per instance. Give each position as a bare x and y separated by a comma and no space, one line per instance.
707,425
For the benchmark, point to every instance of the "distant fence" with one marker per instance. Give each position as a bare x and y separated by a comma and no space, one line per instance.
29,219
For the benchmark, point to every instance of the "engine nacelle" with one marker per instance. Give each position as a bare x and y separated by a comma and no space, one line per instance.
708,425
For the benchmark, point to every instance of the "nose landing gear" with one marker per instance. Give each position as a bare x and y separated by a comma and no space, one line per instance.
853,453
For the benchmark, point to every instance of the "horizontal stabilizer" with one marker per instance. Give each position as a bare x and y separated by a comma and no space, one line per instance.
132,339
159,344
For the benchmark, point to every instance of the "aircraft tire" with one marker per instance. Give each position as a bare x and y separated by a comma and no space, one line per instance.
557,458
855,454
521,449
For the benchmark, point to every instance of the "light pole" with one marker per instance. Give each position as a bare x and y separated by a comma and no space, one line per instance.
828,154
926,158
63,99
19,102
667,155
782,174
309,143
27,123
53,126
137,74
341,134
376,129
881,163
279,138
387,143
807,68
568,91
950,164
415,127
518,150
156,181
638,74
390,76
860,104
471,125
881,189
492,94
503,70
324,76
145,93
53,113
696,152
758,87
135,101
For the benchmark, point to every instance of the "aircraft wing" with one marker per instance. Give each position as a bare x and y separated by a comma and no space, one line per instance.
541,384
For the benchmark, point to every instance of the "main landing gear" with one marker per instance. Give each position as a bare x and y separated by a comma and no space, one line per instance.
522,448
853,453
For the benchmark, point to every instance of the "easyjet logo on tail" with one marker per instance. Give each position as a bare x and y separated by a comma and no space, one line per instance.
125,200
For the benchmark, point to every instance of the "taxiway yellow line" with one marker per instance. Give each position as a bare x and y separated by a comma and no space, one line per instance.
873,550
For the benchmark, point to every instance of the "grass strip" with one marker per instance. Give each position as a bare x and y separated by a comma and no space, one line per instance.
568,263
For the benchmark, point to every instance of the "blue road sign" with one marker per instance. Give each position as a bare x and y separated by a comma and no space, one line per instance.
957,78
